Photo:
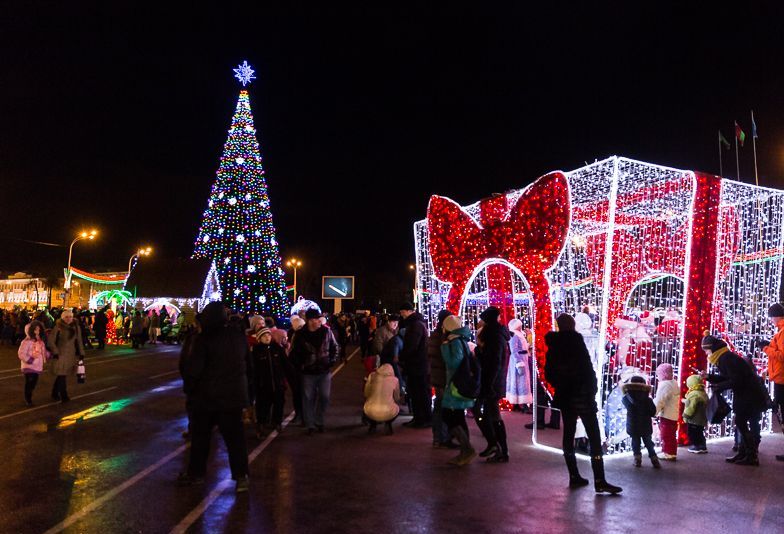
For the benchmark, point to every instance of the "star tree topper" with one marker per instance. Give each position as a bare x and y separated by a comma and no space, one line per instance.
244,73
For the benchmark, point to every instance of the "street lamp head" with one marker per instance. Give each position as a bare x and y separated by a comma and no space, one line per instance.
412,267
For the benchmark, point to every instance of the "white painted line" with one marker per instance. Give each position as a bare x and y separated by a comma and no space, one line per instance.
89,363
56,403
164,374
197,512
100,501
224,484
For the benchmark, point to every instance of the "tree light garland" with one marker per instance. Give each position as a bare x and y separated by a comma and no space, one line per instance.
659,254
237,231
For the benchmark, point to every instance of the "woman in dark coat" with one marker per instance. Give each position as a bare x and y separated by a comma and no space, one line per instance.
570,372
748,400
65,344
493,355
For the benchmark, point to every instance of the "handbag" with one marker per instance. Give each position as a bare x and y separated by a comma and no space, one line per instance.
718,409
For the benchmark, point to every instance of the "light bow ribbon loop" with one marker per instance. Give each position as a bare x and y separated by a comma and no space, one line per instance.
530,236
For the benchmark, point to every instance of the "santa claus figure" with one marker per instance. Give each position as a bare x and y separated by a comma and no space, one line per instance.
634,343
670,325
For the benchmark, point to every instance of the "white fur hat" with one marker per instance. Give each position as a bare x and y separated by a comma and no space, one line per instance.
297,322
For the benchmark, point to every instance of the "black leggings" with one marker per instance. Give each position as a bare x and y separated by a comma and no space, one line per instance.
454,419
31,379
591,428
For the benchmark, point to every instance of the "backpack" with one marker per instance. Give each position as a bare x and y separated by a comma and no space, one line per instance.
467,380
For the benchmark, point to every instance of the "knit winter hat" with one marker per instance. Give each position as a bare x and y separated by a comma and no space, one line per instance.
777,310
515,324
712,343
312,313
297,322
452,323
263,331
443,314
693,381
407,306
490,315
637,379
664,371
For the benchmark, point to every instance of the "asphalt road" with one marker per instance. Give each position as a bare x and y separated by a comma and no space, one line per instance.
107,461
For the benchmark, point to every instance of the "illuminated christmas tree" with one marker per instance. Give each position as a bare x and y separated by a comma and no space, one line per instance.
237,232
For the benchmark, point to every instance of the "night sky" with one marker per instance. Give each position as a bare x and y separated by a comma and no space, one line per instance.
115,117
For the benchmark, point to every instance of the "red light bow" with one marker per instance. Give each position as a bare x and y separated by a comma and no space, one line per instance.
529,235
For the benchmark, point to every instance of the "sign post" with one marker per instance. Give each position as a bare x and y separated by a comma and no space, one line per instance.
337,288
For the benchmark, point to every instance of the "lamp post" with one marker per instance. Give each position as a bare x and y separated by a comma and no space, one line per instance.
141,252
412,267
67,285
294,262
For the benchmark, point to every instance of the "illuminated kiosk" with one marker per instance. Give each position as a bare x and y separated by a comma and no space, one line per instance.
174,283
658,254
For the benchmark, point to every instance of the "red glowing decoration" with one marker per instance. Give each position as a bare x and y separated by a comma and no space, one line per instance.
529,235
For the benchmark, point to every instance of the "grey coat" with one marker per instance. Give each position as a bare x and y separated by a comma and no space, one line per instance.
65,344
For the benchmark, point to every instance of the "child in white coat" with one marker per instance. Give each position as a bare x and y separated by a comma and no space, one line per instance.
667,403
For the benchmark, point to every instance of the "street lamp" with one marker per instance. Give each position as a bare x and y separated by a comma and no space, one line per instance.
294,262
67,285
141,252
412,267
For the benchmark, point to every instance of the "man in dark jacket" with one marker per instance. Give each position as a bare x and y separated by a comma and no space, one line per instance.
415,366
99,326
493,355
214,369
570,372
314,351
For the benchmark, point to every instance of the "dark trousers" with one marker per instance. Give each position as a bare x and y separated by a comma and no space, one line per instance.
454,419
418,388
440,430
31,379
778,399
636,448
696,435
748,427
60,389
591,425
229,424
295,383
101,341
267,399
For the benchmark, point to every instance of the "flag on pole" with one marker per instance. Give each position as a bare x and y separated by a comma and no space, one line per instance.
723,141
739,134
753,128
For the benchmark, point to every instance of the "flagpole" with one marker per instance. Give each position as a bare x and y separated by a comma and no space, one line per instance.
754,144
737,160
721,170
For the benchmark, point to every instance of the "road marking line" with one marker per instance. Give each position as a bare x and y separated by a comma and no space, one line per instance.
97,503
55,403
197,512
162,374
88,363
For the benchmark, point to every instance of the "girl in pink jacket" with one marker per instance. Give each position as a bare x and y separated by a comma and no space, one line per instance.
33,354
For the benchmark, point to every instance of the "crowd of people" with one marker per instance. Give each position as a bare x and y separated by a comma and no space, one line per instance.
58,338
237,368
